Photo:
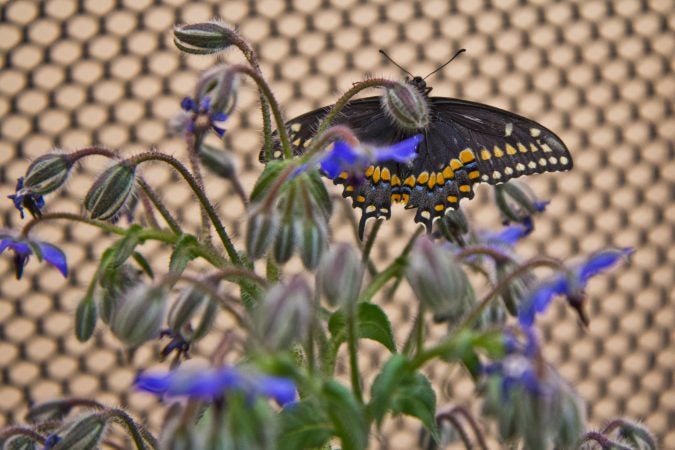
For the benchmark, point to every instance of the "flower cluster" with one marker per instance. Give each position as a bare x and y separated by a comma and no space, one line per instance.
275,378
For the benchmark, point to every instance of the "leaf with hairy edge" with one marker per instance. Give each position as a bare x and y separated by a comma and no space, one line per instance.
371,323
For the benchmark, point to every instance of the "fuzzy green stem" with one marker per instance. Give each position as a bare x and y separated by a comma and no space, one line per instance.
371,240
138,433
252,59
416,335
276,111
461,410
457,425
154,198
347,96
9,432
147,234
201,196
193,143
353,353
604,442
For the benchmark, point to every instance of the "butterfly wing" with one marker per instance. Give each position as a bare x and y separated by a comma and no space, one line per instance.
465,143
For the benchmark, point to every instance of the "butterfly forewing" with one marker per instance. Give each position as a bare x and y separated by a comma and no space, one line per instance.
464,143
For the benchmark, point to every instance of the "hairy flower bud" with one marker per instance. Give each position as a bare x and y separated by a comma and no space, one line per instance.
261,229
191,302
516,201
221,85
47,173
340,275
49,410
313,237
283,316
140,316
204,38
454,225
438,281
218,162
116,281
285,242
110,191
406,105
85,434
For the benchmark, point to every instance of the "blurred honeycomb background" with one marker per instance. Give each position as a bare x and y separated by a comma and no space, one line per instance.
598,72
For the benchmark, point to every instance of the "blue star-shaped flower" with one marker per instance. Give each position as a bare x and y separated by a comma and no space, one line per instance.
345,158
212,383
23,199
203,111
569,285
23,248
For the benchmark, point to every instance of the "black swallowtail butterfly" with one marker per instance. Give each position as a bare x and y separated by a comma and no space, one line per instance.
465,143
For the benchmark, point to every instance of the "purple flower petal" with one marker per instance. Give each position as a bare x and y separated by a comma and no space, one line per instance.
205,104
54,256
403,152
156,383
218,130
540,299
188,104
339,159
281,390
218,116
601,262
509,235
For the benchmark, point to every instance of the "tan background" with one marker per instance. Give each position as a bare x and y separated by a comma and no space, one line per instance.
599,73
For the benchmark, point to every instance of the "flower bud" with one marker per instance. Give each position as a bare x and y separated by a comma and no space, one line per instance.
260,232
47,173
204,38
19,442
221,85
191,301
140,316
517,201
110,191
438,281
116,281
406,105
454,225
285,241
84,434
49,410
340,275
283,316
312,243
217,161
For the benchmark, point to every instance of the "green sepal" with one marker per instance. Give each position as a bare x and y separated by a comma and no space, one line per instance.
267,178
126,246
183,253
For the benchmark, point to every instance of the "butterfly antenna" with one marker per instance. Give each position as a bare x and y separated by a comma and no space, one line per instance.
395,63
459,52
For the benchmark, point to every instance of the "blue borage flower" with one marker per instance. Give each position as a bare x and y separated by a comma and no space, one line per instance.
507,237
203,111
25,199
23,248
570,285
215,382
345,158
519,368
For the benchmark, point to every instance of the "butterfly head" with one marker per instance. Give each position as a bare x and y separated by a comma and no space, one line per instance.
419,84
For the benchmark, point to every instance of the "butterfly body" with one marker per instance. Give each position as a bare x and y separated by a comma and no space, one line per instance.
464,143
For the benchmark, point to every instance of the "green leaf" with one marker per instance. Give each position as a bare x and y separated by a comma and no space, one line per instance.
371,323
125,247
143,264
347,415
400,390
272,170
85,319
304,425
183,253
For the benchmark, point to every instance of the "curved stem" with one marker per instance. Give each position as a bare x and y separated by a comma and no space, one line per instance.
457,425
604,441
371,240
483,250
276,111
8,432
472,423
154,198
252,59
147,234
347,96
138,433
193,142
218,225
